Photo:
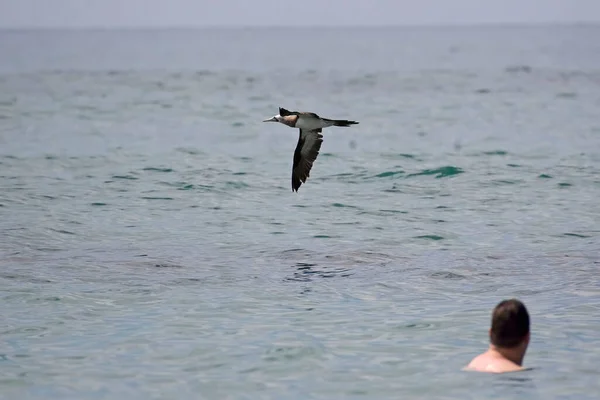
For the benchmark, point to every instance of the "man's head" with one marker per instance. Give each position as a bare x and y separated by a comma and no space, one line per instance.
510,324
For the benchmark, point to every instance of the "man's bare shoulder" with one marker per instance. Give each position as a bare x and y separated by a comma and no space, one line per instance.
488,363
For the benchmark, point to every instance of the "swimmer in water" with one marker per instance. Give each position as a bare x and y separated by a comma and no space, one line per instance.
509,338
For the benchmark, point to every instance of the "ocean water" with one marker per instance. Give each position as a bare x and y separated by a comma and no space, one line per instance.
151,246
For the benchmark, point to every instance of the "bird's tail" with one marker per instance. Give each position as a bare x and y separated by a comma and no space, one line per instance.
341,122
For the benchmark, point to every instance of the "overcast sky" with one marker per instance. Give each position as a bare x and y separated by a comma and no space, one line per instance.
118,13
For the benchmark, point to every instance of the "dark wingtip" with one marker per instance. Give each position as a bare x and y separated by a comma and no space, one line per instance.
296,183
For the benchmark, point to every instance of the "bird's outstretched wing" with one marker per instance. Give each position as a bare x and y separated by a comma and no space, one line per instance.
307,150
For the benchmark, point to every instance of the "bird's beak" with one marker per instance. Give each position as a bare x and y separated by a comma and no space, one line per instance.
272,119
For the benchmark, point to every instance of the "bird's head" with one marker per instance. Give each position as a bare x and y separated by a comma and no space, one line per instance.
275,118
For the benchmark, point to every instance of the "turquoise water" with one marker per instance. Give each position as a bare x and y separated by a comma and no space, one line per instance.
152,246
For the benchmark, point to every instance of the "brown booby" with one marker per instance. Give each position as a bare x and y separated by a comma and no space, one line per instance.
309,139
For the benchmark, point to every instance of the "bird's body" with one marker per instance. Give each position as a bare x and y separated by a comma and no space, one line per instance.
309,140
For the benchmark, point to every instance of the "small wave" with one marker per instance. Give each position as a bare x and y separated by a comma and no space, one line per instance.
236,184
388,174
394,211
447,275
400,155
341,205
394,189
62,231
418,325
441,172
496,153
157,169
382,213
167,265
305,272
499,182
296,252
343,175
187,150
577,235
156,198
182,185
430,237
130,177
284,353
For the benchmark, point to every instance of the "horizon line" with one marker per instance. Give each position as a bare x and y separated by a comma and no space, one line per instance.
316,26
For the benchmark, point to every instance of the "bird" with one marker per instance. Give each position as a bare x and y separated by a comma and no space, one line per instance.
309,140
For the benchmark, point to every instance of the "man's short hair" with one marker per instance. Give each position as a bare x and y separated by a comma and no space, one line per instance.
510,323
